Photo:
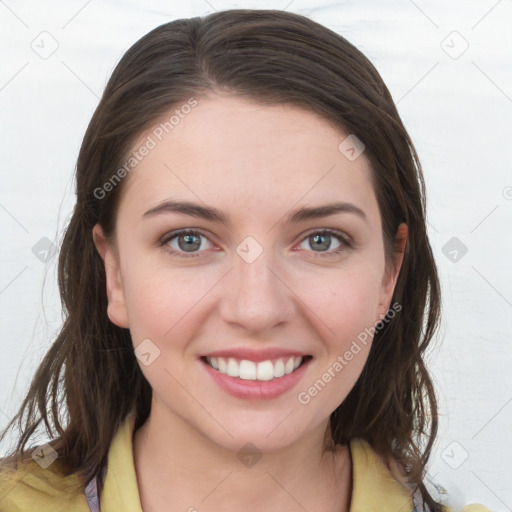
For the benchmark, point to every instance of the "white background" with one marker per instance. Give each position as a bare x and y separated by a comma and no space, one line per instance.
456,105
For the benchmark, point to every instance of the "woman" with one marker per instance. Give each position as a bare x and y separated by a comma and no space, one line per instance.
246,275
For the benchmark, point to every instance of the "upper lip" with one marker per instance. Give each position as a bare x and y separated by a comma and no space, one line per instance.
252,354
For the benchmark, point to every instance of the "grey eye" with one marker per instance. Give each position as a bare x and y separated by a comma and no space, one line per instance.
320,242
187,242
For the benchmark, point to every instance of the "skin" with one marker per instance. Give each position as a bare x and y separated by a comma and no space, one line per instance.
256,165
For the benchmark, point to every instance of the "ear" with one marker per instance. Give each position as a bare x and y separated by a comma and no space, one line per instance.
116,310
391,274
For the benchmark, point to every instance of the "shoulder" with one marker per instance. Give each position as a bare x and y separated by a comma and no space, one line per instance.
389,478
25,486
373,486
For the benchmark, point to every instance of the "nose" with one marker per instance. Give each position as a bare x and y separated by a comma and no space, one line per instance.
255,295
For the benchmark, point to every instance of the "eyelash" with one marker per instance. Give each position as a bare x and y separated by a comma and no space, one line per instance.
346,242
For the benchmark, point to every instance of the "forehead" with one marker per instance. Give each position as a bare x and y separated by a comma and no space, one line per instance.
227,149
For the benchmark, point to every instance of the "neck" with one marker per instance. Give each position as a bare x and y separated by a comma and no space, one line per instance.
179,469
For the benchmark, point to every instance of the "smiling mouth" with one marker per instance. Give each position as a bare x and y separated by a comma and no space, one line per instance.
245,369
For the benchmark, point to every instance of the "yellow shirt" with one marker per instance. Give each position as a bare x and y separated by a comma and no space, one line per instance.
34,489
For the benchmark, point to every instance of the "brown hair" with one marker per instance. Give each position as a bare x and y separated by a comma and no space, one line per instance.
271,57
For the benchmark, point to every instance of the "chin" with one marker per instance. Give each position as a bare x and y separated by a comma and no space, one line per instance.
268,431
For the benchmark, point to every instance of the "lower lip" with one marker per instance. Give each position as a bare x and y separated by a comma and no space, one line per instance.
256,389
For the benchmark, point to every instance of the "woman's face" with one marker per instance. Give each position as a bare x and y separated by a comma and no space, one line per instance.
256,281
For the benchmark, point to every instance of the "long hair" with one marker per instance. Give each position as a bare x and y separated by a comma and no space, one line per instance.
271,57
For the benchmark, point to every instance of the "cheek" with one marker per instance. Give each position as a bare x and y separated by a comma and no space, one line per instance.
343,309
168,304
155,299
162,301
346,300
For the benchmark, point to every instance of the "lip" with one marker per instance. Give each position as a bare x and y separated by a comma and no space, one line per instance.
256,390
256,355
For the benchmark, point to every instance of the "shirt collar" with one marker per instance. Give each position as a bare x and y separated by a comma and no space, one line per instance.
373,487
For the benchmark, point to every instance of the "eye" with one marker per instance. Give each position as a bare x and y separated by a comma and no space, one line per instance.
186,243
322,240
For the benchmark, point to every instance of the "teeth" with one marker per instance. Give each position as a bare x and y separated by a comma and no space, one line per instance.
265,370
250,370
246,369
279,368
233,369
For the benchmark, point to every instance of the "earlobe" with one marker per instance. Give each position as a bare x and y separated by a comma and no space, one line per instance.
116,310
391,275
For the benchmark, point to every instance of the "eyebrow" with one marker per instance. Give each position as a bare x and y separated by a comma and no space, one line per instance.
208,213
